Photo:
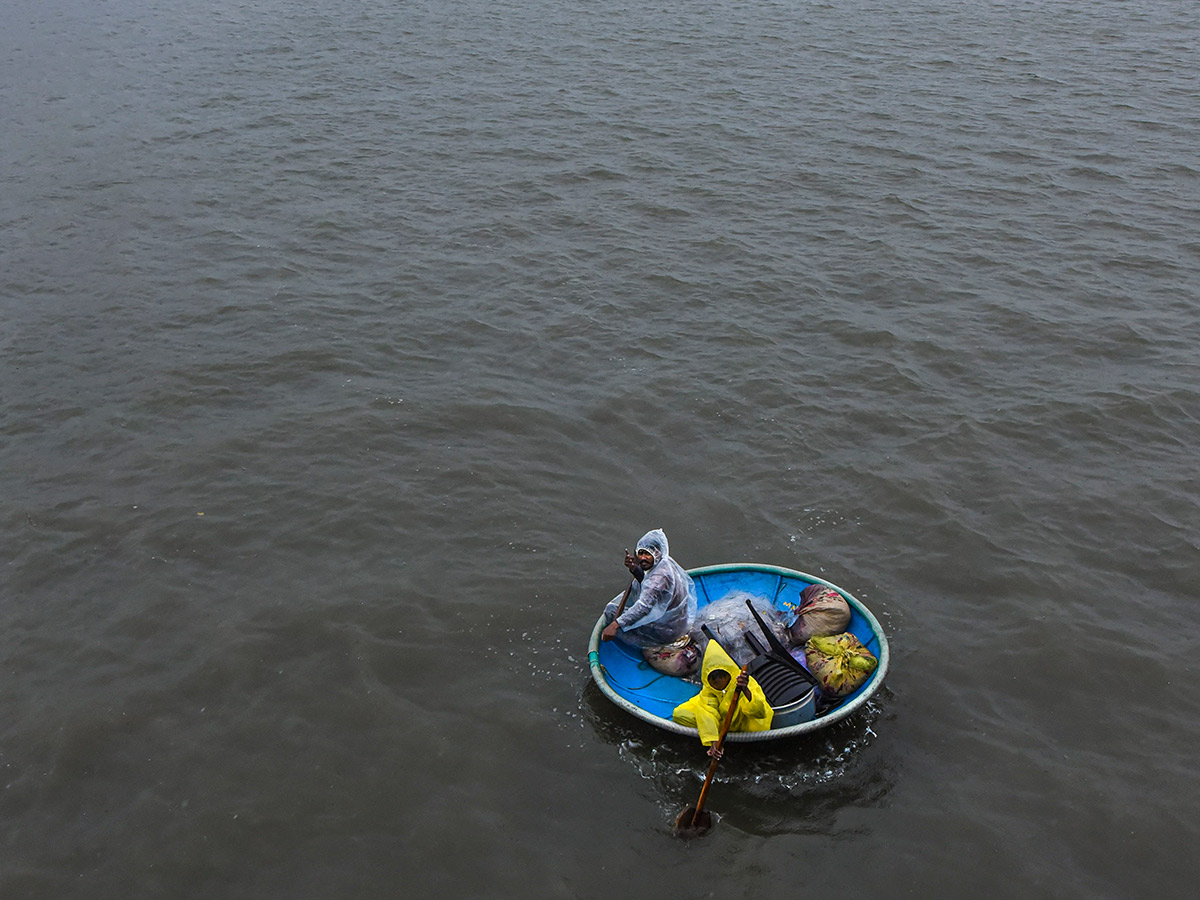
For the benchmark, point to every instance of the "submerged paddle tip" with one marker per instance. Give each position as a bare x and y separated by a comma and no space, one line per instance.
689,825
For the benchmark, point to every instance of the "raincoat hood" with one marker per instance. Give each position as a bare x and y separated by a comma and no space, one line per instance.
717,660
656,542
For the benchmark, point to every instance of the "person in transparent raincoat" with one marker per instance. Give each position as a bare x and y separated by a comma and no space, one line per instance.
660,608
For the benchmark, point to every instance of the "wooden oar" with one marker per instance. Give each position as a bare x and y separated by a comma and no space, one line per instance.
694,821
621,607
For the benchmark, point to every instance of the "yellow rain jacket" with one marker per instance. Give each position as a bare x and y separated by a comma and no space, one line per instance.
706,711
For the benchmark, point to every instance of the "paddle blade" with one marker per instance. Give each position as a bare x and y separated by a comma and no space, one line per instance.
689,825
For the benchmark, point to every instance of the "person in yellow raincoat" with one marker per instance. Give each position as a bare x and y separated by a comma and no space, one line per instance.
707,710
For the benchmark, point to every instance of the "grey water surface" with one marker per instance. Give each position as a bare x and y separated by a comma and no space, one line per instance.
345,347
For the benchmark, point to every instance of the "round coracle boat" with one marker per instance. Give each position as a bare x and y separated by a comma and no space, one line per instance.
623,676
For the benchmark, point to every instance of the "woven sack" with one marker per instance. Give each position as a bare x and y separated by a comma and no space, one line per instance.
822,611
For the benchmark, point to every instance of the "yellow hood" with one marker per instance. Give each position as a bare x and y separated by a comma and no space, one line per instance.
717,660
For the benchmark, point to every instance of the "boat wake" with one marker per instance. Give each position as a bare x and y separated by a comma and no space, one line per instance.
790,786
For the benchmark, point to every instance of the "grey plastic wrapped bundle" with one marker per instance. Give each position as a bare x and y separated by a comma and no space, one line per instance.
728,619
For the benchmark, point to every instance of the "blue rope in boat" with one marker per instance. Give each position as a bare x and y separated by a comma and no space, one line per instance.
608,677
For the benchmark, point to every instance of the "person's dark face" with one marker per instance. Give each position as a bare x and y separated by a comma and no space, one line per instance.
719,679
645,560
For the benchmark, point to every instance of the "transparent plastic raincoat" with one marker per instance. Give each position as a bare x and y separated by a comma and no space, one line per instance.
660,608
707,710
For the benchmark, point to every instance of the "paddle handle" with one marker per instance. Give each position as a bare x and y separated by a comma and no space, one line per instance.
712,767
605,636
621,608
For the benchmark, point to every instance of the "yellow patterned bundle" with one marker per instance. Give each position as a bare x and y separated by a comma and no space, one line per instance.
840,663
